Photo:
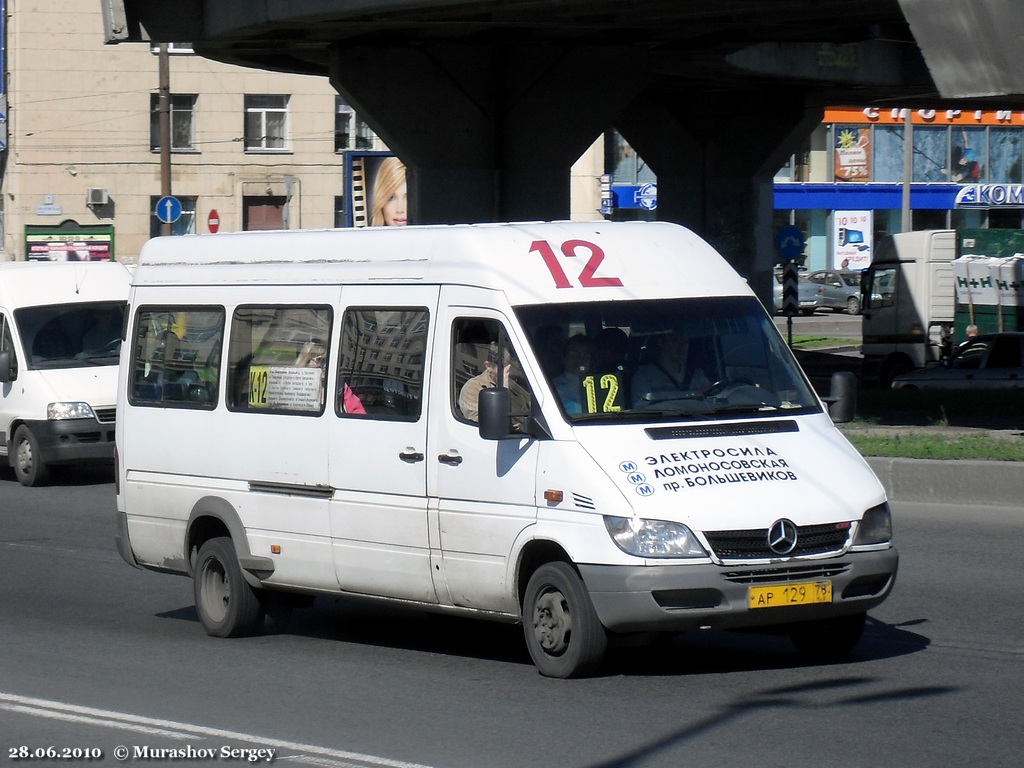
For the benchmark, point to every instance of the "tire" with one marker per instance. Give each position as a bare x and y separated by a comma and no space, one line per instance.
807,312
563,634
29,465
853,306
828,638
226,604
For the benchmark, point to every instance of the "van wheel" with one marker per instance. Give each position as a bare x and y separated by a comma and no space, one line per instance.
563,634
828,638
28,458
226,604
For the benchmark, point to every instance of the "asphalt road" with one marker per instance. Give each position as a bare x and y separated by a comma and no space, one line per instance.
823,323
97,655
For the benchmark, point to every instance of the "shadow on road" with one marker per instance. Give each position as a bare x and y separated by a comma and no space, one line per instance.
348,620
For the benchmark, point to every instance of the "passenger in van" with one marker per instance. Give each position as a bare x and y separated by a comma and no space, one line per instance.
569,383
469,396
314,355
675,370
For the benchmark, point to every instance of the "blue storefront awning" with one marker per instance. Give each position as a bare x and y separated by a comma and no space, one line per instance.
863,197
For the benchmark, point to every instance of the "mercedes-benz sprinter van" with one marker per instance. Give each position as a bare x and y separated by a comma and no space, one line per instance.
593,429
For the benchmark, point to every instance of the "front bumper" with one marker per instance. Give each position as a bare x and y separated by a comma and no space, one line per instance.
678,598
69,441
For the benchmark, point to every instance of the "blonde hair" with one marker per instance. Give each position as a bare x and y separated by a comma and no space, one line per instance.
390,176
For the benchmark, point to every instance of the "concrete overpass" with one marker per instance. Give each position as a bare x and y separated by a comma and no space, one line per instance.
489,102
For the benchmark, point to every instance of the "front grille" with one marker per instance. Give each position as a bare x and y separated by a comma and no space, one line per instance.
789,573
105,415
753,544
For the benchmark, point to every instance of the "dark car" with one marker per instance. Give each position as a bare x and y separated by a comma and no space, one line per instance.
993,361
837,290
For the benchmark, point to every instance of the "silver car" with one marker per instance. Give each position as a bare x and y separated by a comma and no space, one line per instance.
808,299
837,290
994,361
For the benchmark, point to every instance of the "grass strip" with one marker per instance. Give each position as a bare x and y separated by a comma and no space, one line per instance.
937,446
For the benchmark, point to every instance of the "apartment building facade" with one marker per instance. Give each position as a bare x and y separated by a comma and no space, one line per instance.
80,168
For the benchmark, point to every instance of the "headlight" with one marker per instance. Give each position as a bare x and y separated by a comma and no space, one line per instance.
653,538
875,527
69,411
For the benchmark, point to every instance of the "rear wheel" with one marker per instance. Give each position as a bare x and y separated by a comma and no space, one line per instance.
28,458
226,604
563,634
828,638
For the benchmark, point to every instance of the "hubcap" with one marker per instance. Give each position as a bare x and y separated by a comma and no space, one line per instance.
25,457
215,592
552,622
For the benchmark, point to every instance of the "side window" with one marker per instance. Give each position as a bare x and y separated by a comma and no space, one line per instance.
277,359
175,358
7,344
1005,353
883,288
477,346
380,367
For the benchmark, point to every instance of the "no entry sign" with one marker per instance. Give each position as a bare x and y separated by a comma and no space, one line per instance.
213,221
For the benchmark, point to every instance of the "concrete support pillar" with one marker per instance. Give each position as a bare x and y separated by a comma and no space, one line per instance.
715,158
488,134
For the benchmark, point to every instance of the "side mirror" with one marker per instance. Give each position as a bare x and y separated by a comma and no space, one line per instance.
495,408
6,374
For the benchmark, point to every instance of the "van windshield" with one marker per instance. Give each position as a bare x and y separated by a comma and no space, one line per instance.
71,335
666,359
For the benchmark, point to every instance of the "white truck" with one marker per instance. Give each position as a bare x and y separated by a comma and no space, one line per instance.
60,337
917,298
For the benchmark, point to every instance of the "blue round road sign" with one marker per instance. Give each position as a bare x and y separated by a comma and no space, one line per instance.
168,209
789,242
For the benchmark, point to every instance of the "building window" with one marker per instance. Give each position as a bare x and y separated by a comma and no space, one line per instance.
350,132
183,108
266,123
186,223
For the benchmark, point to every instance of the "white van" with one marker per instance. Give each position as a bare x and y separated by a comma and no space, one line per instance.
594,429
60,339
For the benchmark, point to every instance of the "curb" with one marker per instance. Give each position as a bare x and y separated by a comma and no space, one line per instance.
985,483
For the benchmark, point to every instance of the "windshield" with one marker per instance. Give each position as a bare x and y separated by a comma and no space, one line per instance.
666,360
71,335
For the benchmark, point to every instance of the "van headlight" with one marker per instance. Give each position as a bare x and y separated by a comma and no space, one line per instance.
875,527
653,538
59,411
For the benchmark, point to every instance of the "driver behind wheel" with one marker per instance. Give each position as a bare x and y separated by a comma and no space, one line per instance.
674,370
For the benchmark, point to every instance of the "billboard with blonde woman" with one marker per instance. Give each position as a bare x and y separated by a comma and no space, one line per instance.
375,190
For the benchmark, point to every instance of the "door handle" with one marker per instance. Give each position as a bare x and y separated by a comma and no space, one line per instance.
451,458
411,455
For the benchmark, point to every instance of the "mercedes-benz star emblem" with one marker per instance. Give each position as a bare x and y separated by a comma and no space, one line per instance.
782,537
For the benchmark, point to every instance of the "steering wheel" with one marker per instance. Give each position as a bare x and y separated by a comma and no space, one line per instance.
723,384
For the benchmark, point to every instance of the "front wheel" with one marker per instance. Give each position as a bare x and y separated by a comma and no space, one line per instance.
828,638
853,306
28,458
226,604
563,634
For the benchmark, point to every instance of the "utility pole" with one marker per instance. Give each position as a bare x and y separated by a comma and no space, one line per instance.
164,110
908,168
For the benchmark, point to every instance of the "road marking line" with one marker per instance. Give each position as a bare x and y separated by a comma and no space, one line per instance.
55,710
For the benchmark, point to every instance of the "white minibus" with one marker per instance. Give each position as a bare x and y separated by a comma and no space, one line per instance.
60,338
593,429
